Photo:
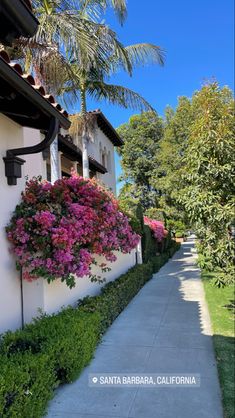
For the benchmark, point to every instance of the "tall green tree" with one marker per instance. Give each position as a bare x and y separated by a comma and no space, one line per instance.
208,192
141,143
169,164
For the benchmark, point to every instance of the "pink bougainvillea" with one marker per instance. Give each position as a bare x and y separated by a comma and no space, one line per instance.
57,229
157,227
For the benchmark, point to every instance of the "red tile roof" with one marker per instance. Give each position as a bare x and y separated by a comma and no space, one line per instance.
30,79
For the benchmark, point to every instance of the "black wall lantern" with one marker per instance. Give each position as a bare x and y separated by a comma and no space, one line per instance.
13,163
13,168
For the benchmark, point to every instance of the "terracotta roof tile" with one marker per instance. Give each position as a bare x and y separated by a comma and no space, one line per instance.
30,79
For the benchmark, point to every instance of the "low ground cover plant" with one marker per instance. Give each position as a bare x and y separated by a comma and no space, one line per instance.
54,349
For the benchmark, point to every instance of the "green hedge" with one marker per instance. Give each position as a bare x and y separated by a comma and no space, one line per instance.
55,349
149,244
52,350
116,295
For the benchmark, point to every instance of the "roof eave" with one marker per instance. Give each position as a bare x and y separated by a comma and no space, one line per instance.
19,21
21,85
111,132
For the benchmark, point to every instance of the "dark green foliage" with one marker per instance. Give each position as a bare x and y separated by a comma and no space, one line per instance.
55,349
27,382
176,225
141,137
208,192
116,295
155,213
149,244
51,350
133,211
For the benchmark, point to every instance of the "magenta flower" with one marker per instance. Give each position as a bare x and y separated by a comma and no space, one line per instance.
57,229
157,227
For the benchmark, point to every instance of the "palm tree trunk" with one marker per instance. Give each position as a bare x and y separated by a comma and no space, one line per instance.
55,156
85,139
55,165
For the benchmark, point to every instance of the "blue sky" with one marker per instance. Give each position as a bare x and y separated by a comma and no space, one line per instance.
197,37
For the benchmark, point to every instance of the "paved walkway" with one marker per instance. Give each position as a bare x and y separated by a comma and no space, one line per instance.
165,329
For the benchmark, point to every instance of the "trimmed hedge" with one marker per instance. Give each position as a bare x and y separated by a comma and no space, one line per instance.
149,244
54,349
116,295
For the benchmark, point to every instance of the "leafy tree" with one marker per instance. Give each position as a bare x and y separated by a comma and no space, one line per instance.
169,163
141,143
208,192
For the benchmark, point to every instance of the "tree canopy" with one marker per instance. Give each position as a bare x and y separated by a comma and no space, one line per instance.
141,137
208,180
183,166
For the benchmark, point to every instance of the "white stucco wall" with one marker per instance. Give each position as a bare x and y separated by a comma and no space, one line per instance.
11,136
39,294
101,140
49,298
34,165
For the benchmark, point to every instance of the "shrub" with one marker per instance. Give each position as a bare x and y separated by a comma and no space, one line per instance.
157,227
149,244
55,335
176,225
55,348
179,234
116,295
26,385
155,213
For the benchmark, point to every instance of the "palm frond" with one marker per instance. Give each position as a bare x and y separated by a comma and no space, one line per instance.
120,8
118,95
100,6
144,54
137,55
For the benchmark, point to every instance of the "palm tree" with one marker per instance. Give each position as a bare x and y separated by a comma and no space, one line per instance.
72,52
93,83
67,31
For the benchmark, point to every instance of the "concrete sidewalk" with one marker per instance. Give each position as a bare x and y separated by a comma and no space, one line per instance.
165,329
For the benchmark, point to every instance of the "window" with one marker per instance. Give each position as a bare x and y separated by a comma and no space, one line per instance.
109,168
103,159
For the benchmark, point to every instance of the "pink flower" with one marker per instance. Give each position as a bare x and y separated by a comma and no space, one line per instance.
45,219
58,228
157,227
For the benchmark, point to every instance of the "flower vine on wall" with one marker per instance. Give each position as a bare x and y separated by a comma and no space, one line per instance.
57,229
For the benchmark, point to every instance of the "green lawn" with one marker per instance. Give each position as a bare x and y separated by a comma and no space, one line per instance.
221,306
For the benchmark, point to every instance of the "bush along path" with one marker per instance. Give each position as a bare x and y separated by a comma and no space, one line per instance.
164,330
55,349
